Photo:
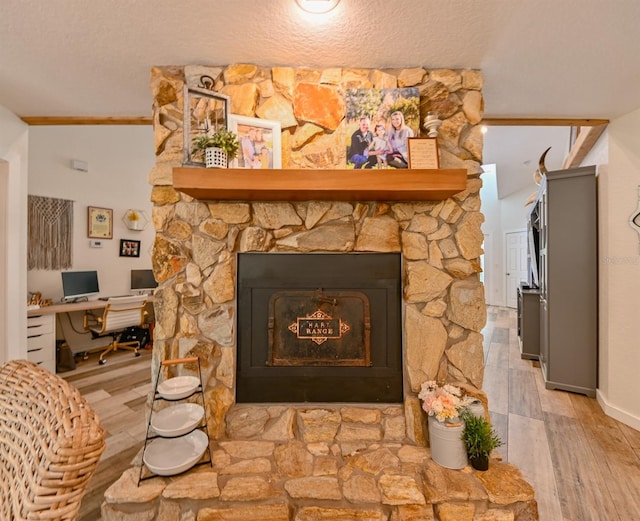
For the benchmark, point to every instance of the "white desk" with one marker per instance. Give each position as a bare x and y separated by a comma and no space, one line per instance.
41,331
67,307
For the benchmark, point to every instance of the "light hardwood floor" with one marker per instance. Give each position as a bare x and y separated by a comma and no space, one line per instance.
117,392
583,465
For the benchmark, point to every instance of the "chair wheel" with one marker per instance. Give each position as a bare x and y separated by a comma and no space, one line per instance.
102,362
137,353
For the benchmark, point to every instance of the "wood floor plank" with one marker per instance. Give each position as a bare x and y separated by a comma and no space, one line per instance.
500,423
496,387
618,458
108,471
523,394
529,451
498,355
553,401
581,487
500,335
632,436
516,361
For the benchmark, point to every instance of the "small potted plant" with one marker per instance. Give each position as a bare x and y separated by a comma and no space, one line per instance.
480,439
217,149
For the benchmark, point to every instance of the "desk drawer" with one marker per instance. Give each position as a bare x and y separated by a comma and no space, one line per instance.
40,324
49,365
40,342
39,355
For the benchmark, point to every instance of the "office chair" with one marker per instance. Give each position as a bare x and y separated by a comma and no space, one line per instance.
120,313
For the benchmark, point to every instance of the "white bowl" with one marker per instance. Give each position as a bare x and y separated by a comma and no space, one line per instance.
168,457
178,387
177,419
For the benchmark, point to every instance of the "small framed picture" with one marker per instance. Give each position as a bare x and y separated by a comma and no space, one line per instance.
129,248
423,153
100,223
259,142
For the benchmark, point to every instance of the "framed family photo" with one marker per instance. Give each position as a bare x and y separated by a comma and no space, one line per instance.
100,223
260,145
129,248
379,123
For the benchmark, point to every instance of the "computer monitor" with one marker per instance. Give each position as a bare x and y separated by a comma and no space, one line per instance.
143,280
79,284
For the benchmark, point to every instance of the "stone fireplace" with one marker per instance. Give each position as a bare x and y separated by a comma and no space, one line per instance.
312,459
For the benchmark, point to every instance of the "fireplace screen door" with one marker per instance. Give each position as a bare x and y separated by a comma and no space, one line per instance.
319,328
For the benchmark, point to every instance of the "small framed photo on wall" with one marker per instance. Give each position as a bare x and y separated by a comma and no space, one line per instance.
129,248
100,223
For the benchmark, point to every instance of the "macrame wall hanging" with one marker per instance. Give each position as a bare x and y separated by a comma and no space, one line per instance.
50,233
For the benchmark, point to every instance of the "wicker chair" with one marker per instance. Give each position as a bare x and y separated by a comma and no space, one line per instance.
50,444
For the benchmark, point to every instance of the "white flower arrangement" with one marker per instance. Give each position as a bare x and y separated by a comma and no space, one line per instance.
445,401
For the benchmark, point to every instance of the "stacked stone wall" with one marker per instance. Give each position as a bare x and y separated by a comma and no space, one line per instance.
441,241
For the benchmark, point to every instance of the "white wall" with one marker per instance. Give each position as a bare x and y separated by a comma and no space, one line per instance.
14,144
501,216
619,277
120,159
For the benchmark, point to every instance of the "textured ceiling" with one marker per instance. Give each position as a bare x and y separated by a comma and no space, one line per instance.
542,58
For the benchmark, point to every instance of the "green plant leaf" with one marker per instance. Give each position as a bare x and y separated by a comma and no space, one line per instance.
479,436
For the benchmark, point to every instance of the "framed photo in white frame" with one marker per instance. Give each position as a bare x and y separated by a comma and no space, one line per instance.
260,145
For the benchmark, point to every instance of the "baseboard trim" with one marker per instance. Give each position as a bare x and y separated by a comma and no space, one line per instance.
616,413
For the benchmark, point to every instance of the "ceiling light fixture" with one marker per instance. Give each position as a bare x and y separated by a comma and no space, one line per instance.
317,6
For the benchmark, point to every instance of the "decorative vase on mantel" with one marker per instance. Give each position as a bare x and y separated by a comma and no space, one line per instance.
216,158
445,440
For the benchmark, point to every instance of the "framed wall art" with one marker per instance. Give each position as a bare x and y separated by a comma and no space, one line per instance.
260,145
205,112
100,222
423,153
378,124
129,248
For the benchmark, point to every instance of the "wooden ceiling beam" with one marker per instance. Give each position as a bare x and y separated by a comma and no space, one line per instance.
590,131
584,142
143,120
68,120
543,122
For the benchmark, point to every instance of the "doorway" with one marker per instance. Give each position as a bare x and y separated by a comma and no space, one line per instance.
515,264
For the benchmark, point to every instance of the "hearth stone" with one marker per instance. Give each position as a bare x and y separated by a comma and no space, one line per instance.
321,470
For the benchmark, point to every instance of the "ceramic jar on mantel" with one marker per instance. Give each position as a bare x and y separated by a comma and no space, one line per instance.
445,440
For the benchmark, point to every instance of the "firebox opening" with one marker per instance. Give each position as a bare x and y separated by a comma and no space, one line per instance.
319,327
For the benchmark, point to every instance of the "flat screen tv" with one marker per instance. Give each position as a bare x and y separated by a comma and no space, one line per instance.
143,280
79,284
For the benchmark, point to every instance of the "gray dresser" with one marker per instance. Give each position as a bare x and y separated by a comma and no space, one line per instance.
529,322
568,263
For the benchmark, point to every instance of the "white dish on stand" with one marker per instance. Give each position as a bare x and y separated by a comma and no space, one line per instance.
168,457
178,387
177,420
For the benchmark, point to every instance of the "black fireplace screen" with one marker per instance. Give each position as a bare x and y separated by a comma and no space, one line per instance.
319,327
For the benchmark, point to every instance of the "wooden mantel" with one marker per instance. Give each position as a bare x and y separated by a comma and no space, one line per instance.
322,185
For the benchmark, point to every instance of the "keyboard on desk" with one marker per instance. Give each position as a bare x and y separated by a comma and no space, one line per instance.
114,296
